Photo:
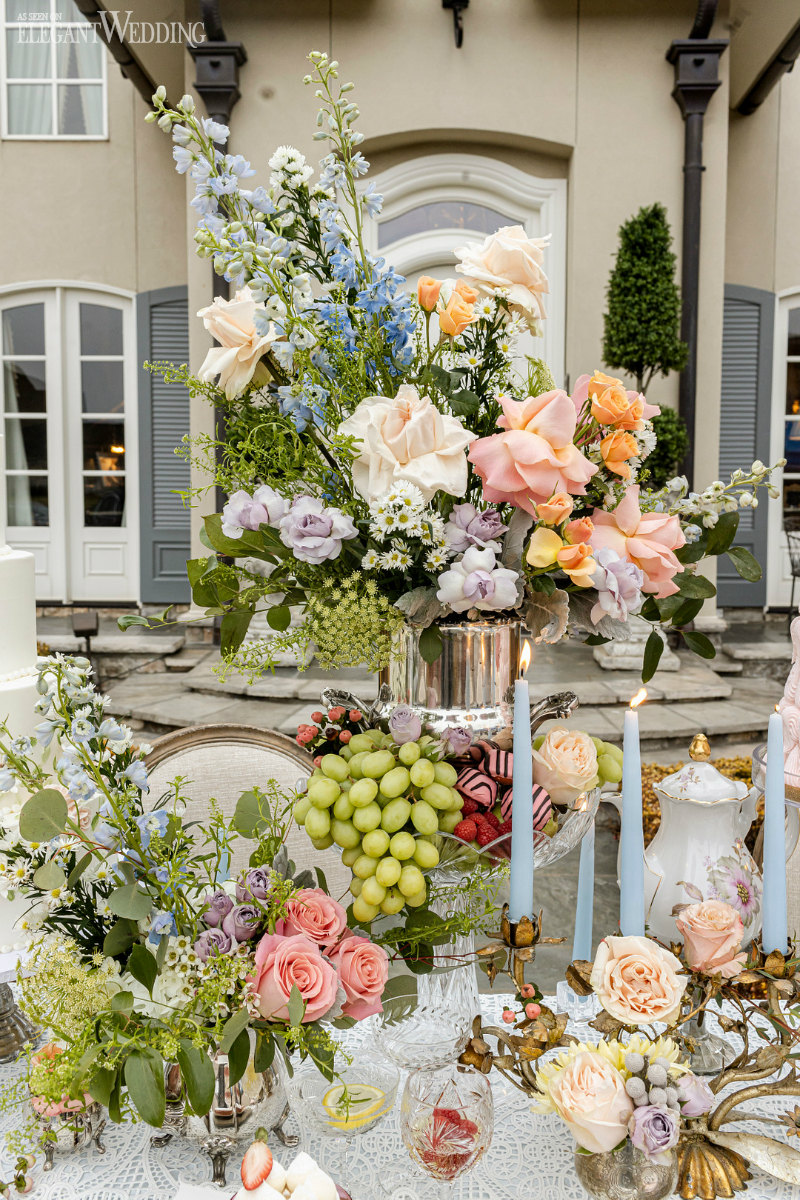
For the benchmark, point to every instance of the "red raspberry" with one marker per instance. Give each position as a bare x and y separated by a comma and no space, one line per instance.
468,808
504,828
466,831
492,820
486,834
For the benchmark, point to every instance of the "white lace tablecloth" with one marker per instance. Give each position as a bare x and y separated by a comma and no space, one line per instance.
530,1157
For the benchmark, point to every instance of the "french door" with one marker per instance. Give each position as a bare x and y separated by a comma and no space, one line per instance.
69,422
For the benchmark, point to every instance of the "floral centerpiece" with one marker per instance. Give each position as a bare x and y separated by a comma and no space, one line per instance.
395,459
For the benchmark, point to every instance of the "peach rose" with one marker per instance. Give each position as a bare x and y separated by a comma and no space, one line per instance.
54,1108
456,315
565,764
589,1095
556,509
712,933
428,292
363,970
637,981
465,291
577,562
535,456
543,547
237,358
510,261
282,962
612,403
617,448
407,438
579,530
316,915
648,540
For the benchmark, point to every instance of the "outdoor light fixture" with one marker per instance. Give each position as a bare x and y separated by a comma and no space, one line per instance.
84,625
457,7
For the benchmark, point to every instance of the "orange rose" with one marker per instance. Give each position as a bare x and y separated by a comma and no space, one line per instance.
578,563
579,530
609,398
616,448
556,509
428,292
456,317
468,293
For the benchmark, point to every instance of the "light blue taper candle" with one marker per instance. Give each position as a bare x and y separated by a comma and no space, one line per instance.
773,910
584,909
631,840
520,901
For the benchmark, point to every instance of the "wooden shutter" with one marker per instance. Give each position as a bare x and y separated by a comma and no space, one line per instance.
163,323
744,425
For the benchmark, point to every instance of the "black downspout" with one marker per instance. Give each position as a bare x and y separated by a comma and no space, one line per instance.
696,61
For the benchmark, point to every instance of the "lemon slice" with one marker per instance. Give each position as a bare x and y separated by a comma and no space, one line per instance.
350,1106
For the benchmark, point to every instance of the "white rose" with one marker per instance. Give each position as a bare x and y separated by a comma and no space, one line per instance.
236,360
511,261
565,764
407,438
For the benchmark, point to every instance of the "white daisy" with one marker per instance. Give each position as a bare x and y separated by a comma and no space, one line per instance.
370,561
484,308
470,360
436,559
395,559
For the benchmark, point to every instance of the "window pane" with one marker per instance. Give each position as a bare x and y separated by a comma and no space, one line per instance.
101,329
792,388
67,10
23,330
104,500
80,109
24,387
101,385
791,445
793,343
27,500
103,446
30,110
27,54
791,498
80,57
441,214
26,444
19,10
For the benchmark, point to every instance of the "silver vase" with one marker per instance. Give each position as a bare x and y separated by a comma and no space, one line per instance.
470,684
72,1130
626,1174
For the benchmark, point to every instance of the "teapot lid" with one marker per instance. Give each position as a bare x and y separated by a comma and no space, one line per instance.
699,780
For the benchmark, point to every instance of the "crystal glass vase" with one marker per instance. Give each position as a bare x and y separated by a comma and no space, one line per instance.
626,1174
447,1122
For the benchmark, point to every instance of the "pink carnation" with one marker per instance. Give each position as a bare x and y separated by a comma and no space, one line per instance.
535,456
281,963
363,970
648,540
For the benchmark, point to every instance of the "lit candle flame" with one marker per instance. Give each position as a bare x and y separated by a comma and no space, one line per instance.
525,659
639,698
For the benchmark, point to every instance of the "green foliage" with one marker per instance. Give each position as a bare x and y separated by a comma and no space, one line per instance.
643,315
352,622
663,463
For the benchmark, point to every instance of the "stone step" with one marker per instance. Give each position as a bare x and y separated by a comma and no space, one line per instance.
725,665
693,682
187,659
284,684
134,643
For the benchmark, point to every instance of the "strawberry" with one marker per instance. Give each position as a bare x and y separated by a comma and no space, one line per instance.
466,830
256,1165
486,834
448,1114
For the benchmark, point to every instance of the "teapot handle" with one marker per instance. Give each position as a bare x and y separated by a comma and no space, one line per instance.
747,812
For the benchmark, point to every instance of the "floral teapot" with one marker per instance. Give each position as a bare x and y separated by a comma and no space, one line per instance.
699,852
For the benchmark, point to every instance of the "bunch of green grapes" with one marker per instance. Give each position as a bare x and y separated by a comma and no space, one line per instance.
383,804
609,760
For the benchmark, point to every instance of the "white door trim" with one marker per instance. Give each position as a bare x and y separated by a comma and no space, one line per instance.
779,576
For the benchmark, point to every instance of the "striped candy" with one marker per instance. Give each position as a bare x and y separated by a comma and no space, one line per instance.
542,807
474,784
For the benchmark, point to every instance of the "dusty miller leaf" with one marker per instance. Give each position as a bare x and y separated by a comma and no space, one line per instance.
546,616
514,539
420,606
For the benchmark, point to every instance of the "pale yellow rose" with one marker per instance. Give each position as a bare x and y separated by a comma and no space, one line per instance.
543,547
589,1095
237,358
638,981
565,764
511,261
407,438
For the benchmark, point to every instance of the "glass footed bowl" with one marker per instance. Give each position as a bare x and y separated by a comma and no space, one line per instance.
574,823
759,775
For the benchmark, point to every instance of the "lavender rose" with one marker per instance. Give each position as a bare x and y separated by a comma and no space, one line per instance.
619,586
243,511
456,740
654,1130
211,943
313,532
243,922
466,527
695,1096
256,884
218,905
404,725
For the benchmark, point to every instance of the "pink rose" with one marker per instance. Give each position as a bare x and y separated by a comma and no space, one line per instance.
712,934
637,981
363,970
589,1095
535,456
316,915
648,540
565,764
282,962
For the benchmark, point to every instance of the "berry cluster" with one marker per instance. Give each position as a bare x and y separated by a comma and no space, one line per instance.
480,827
330,730
527,998
650,1082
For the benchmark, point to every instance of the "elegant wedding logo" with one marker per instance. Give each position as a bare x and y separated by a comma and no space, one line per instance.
115,22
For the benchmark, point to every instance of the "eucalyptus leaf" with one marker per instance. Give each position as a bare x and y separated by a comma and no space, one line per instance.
232,1028
198,1075
296,1006
430,644
43,817
122,1002
144,1079
120,938
130,902
238,1057
48,876
143,967
78,870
